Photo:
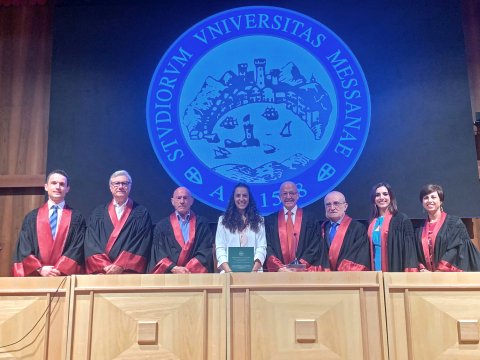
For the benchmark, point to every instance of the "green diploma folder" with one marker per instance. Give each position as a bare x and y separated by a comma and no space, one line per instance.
240,259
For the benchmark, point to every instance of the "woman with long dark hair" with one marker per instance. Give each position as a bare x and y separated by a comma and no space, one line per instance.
392,242
443,241
241,226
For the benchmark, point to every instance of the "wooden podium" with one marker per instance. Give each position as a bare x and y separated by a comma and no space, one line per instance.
307,316
33,317
433,315
148,317
242,316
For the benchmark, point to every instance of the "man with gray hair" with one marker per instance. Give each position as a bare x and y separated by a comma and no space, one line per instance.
293,236
118,235
348,245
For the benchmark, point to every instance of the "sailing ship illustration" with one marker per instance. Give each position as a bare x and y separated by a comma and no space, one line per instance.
286,132
270,113
221,153
269,149
248,140
229,122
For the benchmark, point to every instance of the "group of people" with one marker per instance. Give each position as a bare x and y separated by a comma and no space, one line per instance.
55,240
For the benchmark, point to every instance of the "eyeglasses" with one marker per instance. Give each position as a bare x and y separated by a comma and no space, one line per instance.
289,193
335,204
117,184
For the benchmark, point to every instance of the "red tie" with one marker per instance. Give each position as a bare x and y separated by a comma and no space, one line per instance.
290,239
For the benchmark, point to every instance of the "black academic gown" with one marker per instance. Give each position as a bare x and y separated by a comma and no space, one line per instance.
401,247
311,250
454,250
353,253
27,257
402,254
131,249
166,250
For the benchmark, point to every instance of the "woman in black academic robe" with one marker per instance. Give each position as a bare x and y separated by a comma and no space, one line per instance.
391,235
443,242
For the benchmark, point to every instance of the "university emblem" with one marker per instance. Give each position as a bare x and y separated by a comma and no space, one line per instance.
259,95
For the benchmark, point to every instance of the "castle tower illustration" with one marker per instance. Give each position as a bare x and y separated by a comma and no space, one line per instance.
260,72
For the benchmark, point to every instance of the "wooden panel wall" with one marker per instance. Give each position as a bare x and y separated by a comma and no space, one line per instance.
25,69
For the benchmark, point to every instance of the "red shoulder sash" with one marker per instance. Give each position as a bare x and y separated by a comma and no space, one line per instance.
426,250
50,250
289,254
177,231
383,239
117,223
337,241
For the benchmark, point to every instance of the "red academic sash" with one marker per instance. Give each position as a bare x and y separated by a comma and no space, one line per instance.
117,223
426,250
337,241
51,250
177,231
27,267
289,250
383,239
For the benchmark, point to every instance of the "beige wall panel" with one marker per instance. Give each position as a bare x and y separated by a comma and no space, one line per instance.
180,317
25,301
426,312
308,316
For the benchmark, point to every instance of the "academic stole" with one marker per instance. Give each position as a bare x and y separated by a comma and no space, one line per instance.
117,223
429,255
289,250
177,232
51,250
383,240
337,241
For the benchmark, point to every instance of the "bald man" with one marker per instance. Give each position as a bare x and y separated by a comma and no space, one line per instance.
182,242
299,242
349,248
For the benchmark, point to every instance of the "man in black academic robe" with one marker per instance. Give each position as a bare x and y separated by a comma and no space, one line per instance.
349,248
118,235
45,249
182,242
307,247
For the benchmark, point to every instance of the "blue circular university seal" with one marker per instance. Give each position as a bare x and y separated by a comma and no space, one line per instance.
259,95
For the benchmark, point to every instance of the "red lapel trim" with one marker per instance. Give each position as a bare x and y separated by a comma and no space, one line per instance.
177,231
426,250
384,237
289,255
117,223
383,240
337,241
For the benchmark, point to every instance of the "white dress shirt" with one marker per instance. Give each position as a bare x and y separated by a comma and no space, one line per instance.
225,239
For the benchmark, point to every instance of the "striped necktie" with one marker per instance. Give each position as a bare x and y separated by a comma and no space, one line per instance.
53,220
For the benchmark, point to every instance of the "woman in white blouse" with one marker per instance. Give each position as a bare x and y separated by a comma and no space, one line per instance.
241,226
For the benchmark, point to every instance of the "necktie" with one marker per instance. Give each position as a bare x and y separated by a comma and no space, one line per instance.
290,239
333,231
53,220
